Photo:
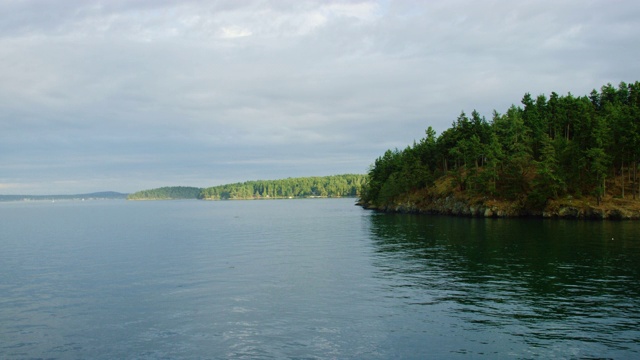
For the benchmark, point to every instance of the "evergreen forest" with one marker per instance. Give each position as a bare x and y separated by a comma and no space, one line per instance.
347,185
560,146
167,193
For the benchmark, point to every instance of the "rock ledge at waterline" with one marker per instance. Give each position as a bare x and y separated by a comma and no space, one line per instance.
613,209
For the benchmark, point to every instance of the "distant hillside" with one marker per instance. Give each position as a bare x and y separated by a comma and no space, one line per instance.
318,186
167,193
91,196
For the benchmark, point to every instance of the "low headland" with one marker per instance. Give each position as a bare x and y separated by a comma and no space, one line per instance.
347,185
557,157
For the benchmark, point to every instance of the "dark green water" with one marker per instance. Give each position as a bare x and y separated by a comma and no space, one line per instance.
310,279
517,288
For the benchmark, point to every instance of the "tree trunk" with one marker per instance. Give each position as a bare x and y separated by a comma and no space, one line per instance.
622,176
635,166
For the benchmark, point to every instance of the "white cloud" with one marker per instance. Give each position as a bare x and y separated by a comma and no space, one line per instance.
229,32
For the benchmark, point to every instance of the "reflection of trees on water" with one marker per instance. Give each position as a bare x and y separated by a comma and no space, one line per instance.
502,272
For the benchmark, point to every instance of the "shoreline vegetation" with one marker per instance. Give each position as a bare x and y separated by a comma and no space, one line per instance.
347,185
556,157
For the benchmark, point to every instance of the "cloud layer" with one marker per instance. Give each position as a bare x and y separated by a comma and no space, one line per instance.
127,95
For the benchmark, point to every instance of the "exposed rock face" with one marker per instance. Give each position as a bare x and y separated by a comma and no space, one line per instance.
451,205
448,206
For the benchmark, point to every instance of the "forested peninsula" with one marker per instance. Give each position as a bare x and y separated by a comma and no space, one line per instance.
347,185
557,156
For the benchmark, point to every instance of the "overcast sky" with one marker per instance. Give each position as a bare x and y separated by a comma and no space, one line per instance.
131,95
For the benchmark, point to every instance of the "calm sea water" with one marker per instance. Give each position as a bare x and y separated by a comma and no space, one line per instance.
310,279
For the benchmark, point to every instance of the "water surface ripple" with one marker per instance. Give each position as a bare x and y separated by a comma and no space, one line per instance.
310,279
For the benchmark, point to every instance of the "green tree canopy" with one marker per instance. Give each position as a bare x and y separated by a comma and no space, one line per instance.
549,147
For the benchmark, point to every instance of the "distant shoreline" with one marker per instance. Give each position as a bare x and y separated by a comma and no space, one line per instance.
105,195
249,199
345,185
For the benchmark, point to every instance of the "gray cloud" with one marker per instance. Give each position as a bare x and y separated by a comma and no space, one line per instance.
124,95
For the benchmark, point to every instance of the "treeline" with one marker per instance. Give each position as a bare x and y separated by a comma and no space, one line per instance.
544,149
324,186
167,193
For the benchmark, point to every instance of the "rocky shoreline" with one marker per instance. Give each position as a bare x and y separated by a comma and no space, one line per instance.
450,205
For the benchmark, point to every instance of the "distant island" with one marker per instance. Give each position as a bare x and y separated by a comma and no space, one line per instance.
104,195
562,156
347,185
